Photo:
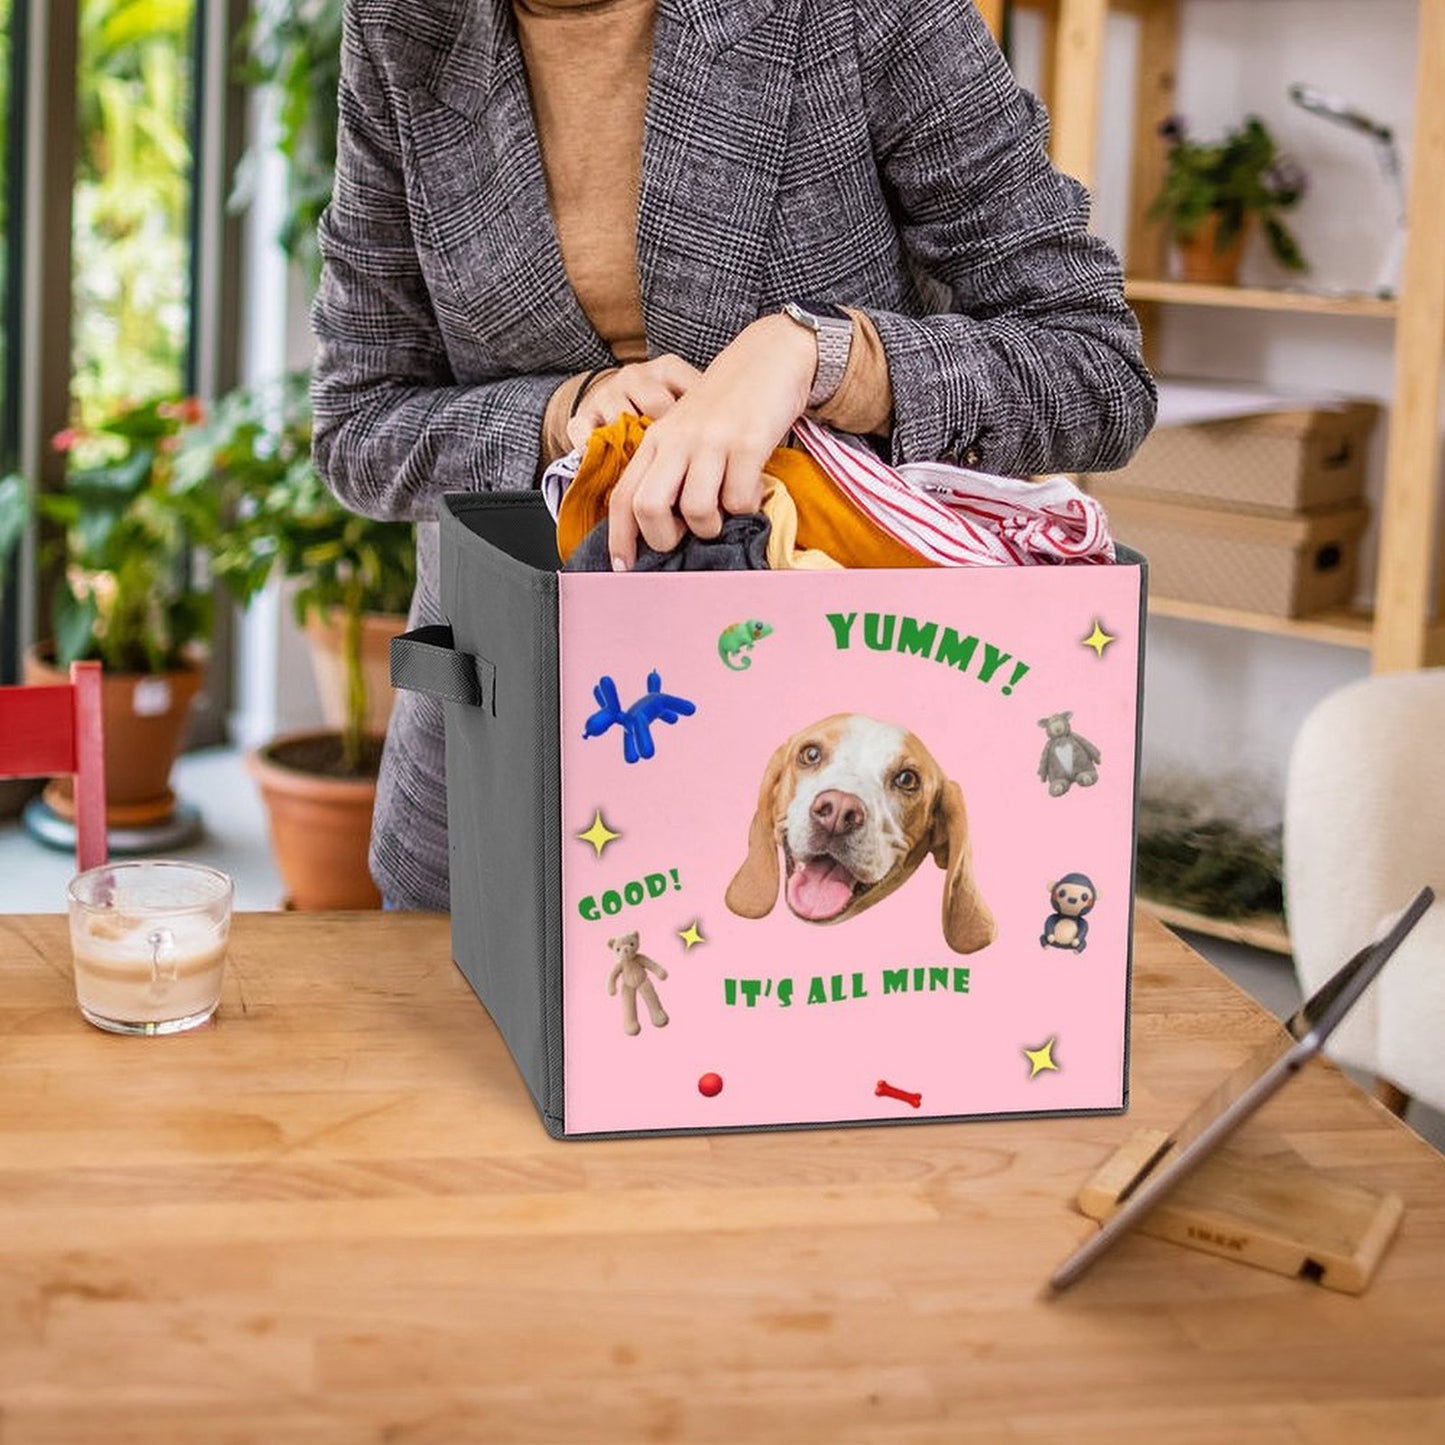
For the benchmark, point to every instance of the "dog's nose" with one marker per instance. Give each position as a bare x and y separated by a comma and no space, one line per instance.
838,813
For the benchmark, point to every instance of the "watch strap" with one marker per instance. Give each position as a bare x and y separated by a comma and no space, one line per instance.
832,329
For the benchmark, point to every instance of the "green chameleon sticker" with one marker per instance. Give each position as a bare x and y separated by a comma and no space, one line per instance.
737,638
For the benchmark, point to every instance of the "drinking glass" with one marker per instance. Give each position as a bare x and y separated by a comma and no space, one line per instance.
148,940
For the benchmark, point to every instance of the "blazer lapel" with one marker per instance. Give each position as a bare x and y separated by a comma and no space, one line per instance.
714,144
479,164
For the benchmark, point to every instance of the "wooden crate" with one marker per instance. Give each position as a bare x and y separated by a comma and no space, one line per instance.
1287,566
1273,464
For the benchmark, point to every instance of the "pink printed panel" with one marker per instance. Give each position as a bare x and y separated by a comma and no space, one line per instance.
841,851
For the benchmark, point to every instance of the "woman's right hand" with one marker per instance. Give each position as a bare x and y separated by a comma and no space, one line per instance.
644,388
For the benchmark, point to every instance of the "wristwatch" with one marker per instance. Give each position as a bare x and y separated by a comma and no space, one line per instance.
833,329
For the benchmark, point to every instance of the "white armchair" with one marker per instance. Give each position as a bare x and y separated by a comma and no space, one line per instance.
1364,830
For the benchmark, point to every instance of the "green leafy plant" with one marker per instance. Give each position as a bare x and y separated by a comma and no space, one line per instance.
293,47
256,452
128,595
132,202
256,500
1232,179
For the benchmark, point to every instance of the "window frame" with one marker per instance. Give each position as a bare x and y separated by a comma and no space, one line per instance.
43,140
11,607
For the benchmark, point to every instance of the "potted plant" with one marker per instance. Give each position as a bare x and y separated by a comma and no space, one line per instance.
1212,191
257,499
129,597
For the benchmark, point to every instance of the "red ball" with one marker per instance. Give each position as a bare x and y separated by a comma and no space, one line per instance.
710,1085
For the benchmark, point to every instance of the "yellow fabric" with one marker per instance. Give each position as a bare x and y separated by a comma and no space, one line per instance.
829,522
823,519
784,554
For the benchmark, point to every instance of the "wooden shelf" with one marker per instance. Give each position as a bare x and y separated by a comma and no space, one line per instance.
1074,78
1338,627
1255,930
1258,298
1342,627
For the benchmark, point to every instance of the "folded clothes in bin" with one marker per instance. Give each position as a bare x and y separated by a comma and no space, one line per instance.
831,502
778,848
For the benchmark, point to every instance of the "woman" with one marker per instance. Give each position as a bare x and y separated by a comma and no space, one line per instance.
547,213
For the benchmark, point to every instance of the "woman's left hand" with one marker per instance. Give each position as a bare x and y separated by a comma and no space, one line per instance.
704,458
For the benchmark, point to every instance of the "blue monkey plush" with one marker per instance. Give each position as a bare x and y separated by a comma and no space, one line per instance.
1068,926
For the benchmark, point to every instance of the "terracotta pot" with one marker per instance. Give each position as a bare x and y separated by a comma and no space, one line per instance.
145,721
1201,262
320,825
325,636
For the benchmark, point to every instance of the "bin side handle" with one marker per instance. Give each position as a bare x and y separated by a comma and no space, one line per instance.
426,660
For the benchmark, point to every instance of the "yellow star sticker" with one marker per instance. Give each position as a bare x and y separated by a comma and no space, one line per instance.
692,933
599,835
1041,1058
1098,639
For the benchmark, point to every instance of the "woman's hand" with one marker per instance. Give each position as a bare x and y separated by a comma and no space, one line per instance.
645,388
704,458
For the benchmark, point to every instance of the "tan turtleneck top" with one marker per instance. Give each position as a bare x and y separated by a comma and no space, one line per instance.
587,67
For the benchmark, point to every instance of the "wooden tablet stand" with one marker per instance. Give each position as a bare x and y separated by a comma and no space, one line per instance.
1281,1217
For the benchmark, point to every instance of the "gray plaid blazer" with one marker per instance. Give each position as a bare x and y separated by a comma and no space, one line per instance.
873,153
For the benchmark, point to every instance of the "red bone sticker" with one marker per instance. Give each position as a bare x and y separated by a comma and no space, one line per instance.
887,1091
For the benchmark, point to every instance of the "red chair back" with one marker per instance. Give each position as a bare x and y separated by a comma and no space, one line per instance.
59,729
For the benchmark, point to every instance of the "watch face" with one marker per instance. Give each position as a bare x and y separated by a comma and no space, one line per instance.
822,308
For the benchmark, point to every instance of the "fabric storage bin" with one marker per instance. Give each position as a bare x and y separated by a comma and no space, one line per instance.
873,831
1287,566
1277,462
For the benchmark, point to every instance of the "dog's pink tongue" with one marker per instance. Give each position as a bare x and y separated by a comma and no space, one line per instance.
819,889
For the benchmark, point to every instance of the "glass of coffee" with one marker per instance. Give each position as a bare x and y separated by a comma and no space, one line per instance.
149,944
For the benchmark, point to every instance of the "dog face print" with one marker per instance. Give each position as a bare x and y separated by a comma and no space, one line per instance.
852,805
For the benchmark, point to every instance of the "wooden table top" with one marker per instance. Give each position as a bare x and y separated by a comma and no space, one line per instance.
332,1215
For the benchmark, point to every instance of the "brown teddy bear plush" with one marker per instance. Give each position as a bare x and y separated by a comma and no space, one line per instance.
633,967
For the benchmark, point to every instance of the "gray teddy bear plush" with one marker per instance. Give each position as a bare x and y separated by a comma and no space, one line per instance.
1068,757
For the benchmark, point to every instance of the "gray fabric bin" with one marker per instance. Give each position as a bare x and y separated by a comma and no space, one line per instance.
524,889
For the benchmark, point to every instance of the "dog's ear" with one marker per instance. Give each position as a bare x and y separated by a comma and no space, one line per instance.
967,923
754,888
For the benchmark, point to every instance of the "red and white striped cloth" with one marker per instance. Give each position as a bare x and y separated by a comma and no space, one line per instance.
959,518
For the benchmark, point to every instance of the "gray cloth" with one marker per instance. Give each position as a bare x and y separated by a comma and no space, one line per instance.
741,546
877,154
